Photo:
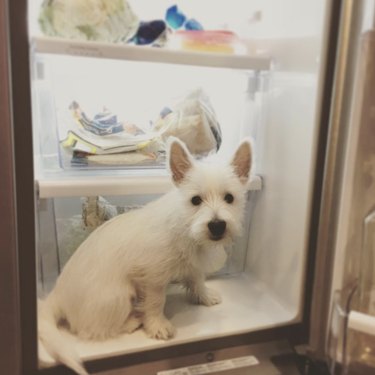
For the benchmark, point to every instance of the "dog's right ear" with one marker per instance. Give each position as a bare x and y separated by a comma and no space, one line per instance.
241,161
180,160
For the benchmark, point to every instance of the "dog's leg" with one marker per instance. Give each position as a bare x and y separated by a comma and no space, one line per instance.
198,292
155,323
132,323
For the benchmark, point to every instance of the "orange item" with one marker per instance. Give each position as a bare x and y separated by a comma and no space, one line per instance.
221,41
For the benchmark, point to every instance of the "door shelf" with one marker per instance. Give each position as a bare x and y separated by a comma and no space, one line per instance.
105,184
60,46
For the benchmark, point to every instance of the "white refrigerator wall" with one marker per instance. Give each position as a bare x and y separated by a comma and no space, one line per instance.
279,231
286,152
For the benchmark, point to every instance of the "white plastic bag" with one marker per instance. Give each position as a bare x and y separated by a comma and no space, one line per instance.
193,120
100,20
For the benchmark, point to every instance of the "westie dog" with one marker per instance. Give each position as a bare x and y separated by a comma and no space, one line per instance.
116,280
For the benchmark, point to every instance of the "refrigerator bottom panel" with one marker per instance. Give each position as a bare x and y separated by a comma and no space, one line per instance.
273,358
247,305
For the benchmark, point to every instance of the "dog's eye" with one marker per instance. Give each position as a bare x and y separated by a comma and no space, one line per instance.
229,198
196,200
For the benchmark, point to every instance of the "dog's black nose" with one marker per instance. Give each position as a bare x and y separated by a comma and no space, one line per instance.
217,227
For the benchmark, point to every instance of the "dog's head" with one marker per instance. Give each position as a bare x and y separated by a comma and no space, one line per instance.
212,194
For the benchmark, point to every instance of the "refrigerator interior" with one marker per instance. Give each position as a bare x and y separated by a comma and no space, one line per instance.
268,91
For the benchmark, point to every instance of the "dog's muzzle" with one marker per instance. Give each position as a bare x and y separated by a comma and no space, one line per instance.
217,229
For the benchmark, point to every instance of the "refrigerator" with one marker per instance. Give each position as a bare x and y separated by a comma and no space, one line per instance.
295,76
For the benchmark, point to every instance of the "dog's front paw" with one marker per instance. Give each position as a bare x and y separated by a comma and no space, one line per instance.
132,323
208,297
161,329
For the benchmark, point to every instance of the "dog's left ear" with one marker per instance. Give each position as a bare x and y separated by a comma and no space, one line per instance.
241,161
180,160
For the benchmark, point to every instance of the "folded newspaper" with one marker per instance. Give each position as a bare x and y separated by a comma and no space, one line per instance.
115,144
104,134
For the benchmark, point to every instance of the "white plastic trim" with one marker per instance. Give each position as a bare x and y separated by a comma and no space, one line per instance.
362,322
137,53
123,185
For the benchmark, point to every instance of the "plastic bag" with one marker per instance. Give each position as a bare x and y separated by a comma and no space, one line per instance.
99,20
192,120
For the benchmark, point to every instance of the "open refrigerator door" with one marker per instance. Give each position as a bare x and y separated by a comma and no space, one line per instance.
350,342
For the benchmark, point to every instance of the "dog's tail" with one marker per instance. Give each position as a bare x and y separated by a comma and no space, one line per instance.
54,341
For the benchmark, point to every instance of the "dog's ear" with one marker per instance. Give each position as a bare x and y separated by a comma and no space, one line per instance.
241,161
180,160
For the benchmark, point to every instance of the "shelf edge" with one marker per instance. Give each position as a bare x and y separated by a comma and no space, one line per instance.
127,185
147,54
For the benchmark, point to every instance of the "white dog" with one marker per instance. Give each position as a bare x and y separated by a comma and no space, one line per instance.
116,280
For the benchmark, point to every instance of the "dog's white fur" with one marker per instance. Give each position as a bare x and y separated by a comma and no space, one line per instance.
116,280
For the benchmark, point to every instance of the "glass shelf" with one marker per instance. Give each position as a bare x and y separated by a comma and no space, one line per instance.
150,54
108,183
